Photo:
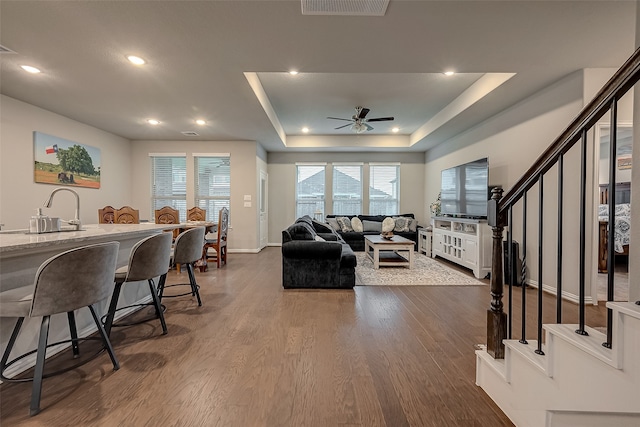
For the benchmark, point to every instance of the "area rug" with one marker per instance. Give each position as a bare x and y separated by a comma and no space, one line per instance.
425,272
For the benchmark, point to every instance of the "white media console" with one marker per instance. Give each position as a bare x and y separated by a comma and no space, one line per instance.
464,241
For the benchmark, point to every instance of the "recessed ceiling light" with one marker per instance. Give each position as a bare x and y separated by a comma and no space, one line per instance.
136,60
449,73
30,69
153,122
201,122
293,72
305,130
395,130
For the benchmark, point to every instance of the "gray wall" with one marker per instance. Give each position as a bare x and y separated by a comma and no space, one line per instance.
243,231
20,195
513,140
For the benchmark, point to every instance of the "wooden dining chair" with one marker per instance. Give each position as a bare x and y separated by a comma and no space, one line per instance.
219,244
127,215
168,215
106,215
196,214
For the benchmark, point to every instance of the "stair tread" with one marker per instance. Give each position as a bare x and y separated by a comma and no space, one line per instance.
591,344
528,351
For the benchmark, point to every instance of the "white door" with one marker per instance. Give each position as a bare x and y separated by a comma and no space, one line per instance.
264,231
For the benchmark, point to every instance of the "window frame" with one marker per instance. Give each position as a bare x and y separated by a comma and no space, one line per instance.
174,198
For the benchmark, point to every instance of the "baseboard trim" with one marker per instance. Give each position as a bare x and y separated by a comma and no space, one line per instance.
565,295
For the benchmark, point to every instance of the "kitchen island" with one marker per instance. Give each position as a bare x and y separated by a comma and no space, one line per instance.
22,253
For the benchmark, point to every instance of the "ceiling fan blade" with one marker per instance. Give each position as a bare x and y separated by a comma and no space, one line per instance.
381,119
338,118
344,126
363,113
368,127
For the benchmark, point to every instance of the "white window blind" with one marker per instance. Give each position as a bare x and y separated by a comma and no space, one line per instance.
310,190
384,189
169,184
347,189
213,184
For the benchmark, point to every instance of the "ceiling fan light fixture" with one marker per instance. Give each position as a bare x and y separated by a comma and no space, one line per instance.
358,127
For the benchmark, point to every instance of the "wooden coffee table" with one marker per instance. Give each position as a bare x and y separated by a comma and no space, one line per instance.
384,252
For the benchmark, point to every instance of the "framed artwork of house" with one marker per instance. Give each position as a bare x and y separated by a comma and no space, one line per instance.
62,162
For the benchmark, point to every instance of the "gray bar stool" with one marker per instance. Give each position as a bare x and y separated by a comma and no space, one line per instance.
149,258
77,278
187,249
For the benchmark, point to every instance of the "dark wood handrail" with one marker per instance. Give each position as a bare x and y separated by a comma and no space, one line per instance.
618,85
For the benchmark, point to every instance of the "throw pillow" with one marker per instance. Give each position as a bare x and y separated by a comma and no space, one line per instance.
345,224
402,225
334,224
413,224
388,224
319,239
372,225
356,224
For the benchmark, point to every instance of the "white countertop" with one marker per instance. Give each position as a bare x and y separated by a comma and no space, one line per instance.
18,240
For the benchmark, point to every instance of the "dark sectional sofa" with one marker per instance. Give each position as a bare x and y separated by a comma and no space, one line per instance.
315,256
356,239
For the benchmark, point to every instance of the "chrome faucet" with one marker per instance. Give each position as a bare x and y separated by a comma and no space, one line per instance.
75,221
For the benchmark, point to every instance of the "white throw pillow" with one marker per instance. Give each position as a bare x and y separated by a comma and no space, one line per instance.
356,224
388,224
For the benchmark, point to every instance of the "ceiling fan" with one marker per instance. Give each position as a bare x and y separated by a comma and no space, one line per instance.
359,121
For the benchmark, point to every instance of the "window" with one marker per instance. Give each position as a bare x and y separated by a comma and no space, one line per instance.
309,190
169,183
384,189
347,189
213,183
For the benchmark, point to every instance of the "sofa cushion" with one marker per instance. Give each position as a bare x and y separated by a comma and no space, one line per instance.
333,222
345,224
401,224
321,227
388,224
371,225
301,231
356,224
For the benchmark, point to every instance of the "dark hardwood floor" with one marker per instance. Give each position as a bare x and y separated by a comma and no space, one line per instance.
257,355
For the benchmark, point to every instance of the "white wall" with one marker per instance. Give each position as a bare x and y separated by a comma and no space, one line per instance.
243,222
20,195
282,179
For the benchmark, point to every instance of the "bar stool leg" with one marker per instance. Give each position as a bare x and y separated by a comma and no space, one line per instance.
105,339
39,371
73,331
10,344
157,305
112,308
161,283
194,286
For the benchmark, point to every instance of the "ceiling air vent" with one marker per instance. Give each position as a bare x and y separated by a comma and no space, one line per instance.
5,49
345,7
189,133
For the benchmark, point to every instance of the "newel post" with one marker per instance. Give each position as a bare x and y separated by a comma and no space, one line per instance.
496,317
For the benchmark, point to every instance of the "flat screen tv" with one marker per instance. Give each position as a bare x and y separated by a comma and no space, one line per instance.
465,190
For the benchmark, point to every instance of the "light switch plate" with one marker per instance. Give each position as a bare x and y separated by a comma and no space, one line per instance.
247,204
247,197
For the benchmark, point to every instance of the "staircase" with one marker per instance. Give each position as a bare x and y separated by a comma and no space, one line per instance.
577,382
572,374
